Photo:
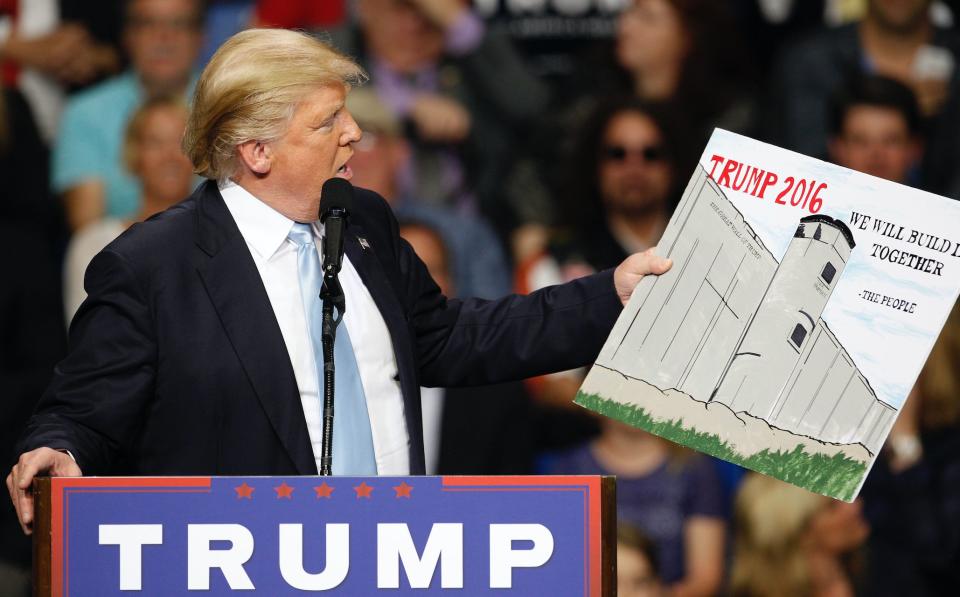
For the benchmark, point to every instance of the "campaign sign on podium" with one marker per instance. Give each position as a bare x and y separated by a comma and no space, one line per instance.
327,535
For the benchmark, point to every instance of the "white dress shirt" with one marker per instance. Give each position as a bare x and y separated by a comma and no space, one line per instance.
265,232
431,405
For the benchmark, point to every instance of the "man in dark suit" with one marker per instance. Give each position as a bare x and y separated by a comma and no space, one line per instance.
195,352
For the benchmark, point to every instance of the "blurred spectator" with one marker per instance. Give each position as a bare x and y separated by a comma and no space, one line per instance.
874,128
299,14
463,94
163,39
620,186
478,263
476,430
636,564
151,152
671,494
793,543
617,192
47,46
896,39
912,495
684,53
687,52
223,19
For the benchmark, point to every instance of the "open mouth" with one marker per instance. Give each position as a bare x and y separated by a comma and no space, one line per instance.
345,172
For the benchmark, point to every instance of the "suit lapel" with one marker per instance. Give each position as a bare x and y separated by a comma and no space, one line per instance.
365,261
237,292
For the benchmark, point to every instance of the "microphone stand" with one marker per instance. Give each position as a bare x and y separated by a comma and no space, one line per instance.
331,293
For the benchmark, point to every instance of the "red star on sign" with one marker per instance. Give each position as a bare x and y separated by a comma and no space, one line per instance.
244,491
403,490
323,490
363,490
284,491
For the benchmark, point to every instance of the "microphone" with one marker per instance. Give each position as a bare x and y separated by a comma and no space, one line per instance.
336,200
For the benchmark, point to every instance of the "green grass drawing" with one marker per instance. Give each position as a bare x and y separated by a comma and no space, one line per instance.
837,476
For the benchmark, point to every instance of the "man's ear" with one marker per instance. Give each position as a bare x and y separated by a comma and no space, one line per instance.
256,156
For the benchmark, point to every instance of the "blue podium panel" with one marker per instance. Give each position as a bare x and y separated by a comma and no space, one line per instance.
326,535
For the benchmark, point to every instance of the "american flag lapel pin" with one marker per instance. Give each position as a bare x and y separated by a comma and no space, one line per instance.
363,243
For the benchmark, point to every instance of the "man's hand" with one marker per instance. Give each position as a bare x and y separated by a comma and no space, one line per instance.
51,52
629,273
440,119
31,464
441,13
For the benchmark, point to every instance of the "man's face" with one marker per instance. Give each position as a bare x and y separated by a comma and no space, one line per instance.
399,34
634,174
899,15
876,140
315,147
650,33
163,170
163,38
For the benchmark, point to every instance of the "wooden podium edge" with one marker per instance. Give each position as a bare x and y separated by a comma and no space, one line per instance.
42,534
608,526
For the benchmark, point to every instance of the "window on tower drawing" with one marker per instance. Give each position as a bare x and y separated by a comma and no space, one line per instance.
828,273
798,336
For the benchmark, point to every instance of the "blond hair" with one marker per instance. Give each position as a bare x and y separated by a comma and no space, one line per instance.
249,90
133,135
771,518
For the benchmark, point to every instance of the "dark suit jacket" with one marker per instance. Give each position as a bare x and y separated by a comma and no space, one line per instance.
177,364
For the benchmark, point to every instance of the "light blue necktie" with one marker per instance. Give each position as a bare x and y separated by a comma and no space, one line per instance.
352,439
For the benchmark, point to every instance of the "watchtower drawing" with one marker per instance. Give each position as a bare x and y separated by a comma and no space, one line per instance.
786,317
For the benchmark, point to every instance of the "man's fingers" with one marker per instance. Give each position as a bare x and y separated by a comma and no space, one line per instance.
656,264
13,490
22,501
21,477
648,262
660,265
30,464
629,273
25,510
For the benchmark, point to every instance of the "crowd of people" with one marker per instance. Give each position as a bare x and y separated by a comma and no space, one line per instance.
507,179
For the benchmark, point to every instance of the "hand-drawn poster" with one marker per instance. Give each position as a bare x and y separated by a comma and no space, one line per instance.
802,303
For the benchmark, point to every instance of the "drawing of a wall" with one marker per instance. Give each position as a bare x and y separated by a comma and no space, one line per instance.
827,397
721,270
729,323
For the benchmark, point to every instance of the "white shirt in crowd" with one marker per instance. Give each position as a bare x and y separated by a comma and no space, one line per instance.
84,246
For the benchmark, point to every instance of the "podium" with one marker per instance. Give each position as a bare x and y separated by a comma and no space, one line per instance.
352,536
